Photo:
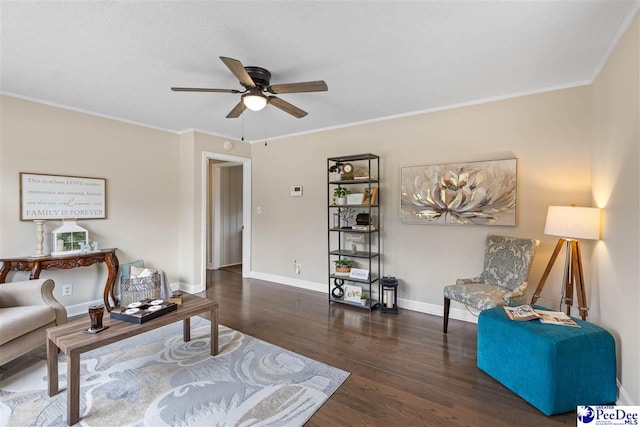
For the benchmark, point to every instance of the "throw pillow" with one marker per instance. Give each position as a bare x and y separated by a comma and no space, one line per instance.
125,269
142,271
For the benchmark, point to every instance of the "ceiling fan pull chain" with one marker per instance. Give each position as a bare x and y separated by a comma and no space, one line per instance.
265,130
242,132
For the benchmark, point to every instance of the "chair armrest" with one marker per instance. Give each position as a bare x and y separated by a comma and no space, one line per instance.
520,291
32,292
469,281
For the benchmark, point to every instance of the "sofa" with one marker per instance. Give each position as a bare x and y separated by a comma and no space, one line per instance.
27,309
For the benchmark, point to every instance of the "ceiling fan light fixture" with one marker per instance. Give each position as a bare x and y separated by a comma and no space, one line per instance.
254,101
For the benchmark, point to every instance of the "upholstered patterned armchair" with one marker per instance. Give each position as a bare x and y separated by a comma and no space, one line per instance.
507,262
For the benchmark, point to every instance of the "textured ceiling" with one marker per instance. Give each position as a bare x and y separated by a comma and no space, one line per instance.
379,59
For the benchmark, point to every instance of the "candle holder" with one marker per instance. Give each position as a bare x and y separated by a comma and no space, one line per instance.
389,285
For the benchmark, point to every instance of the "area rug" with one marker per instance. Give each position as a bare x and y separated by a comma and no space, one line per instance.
156,379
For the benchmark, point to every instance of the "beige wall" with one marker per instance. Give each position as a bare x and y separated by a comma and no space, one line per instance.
154,184
616,189
548,133
142,187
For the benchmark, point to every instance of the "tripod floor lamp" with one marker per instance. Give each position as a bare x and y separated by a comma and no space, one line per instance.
571,223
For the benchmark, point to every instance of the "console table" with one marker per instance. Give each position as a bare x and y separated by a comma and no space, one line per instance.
36,264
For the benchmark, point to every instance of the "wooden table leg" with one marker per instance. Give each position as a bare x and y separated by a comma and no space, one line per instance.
111,260
214,332
6,267
52,367
186,329
35,271
73,389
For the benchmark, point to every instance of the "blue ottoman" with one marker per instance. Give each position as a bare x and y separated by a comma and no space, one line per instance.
554,368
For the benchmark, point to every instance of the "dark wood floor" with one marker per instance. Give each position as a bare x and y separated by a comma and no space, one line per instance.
404,370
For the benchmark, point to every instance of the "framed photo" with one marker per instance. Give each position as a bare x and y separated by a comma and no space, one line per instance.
369,197
474,193
59,197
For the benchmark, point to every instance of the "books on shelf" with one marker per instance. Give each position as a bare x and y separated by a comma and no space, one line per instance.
526,312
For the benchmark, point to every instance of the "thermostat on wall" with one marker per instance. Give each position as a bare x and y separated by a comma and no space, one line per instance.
295,190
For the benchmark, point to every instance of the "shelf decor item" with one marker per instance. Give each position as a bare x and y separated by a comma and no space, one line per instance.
354,198
369,196
69,238
335,172
347,171
340,194
344,266
346,216
361,173
353,293
359,273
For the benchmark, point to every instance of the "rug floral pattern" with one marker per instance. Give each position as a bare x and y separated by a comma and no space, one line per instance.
156,379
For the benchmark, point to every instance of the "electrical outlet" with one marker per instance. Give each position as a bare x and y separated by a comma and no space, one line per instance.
298,268
67,290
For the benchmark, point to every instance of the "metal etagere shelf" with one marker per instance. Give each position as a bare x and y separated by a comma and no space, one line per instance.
362,176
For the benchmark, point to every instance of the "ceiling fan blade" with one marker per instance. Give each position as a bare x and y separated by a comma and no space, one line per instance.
238,70
202,89
237,110
315,86
286,107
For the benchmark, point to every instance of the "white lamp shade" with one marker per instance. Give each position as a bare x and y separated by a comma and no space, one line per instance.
254,102
573,222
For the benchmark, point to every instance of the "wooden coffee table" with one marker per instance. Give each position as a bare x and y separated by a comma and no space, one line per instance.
73,342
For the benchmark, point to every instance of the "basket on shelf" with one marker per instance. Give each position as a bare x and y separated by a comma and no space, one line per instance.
340,269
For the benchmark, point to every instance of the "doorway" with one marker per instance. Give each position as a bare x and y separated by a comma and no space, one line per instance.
224,248
242,220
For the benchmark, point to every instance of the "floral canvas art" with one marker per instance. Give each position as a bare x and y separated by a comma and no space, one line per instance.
460,193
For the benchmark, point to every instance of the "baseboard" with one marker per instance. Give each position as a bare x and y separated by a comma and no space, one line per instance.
437,310
454,313
623,397
186,287
290,281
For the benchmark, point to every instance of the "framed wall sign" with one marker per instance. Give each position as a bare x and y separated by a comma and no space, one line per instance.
58,197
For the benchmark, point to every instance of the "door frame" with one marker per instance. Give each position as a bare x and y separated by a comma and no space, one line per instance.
246,211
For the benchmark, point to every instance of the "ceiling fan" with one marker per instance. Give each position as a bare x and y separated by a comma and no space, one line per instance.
256,81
